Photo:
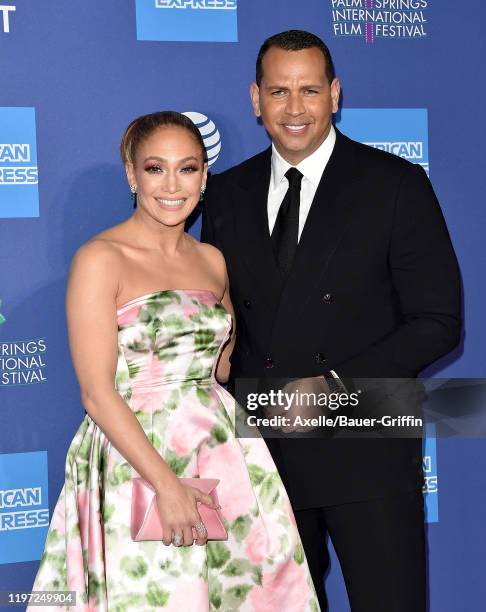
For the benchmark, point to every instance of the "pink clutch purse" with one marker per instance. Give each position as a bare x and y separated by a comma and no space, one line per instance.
145,522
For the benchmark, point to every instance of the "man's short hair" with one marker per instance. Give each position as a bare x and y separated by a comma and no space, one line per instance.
295,40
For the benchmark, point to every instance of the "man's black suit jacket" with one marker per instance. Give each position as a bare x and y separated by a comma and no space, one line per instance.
374,292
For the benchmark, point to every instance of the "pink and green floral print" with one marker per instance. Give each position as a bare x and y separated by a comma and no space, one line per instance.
168,345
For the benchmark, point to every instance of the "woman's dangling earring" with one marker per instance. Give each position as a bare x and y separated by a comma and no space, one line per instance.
203,191
133,189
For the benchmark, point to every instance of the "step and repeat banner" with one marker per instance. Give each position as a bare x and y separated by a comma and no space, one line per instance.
74,74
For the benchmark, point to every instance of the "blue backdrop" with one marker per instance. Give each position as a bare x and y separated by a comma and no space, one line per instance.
74,74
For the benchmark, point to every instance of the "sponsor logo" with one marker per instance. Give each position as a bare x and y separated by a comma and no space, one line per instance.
22,362
2,318
408,150
19,195
218,5
372,19
209,133
17,153
5,10
431,484
187,20
401,131
24,506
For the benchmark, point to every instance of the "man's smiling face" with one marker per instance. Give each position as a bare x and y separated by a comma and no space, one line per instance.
295,101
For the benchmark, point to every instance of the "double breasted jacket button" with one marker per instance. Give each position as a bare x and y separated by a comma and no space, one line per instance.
327,298
247,304
269,363
319,358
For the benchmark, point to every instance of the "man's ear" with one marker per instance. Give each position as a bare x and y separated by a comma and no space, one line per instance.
255,98
335,93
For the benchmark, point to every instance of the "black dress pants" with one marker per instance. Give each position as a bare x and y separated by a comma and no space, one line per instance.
380,545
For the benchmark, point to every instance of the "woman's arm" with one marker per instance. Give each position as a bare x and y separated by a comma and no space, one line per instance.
224,364
93,329
92,326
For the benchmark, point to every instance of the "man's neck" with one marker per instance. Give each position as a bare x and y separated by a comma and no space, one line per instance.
299,157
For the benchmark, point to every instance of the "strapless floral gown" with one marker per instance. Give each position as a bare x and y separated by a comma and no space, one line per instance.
168,345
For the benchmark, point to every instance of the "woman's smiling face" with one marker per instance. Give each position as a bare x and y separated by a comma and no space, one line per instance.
168,172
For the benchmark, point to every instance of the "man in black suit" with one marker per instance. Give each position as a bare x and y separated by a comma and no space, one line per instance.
340,262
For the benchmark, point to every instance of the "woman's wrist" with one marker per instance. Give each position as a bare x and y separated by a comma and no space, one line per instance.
167,481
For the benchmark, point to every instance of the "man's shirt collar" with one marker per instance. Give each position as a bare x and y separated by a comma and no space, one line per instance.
311,167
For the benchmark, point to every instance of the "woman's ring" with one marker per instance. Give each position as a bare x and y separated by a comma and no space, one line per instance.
200,528
177,539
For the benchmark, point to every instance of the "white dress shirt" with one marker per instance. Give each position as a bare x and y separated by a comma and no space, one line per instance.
311,167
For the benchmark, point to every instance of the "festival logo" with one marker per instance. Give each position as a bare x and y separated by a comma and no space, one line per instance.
373,19
431,485
209,133
401,131
22,362
5,10
24,506
187,20
19,194
2,318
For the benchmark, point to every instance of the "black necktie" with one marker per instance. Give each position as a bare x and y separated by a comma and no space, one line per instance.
286,229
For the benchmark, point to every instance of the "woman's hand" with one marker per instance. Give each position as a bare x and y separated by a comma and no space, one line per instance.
177,505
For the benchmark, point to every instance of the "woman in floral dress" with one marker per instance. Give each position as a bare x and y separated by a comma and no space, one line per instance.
151,331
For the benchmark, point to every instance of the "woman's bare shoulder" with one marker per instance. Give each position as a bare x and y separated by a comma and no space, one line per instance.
212,254
101,252
215,265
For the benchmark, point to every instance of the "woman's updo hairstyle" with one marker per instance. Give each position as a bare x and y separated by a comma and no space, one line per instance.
142,127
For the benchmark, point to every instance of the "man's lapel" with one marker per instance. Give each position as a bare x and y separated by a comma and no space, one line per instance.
255,244
328,218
